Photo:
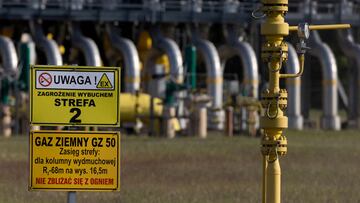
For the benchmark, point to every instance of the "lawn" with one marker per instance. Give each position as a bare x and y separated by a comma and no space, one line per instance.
321,166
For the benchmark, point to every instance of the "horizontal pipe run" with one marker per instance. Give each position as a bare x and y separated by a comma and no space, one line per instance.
322,27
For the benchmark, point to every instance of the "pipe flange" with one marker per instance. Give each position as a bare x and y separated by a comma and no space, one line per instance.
272,51
283,99
270,8
275,2
277,146
271,98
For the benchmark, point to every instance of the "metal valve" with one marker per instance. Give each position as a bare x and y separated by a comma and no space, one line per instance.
303,32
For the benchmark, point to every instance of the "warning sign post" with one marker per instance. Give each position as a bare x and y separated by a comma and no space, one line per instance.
74,160
74,95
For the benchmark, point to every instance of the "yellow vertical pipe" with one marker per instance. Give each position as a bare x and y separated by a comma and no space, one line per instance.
274,53
273,181
265,157
274,78
274,100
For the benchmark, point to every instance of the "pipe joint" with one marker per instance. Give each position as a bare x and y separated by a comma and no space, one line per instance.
280,98
273,51
274,8
274,148
275,5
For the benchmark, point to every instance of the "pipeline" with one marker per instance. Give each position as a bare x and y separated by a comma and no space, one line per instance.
27,55
131,59
214,79
352,50
235,46
87,46
161,45
330,119
138,106
49,46
168,46
9,64
293,85
8,56
31,44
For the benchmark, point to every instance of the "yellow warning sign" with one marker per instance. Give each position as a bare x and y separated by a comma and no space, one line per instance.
74,160
74,95
104,82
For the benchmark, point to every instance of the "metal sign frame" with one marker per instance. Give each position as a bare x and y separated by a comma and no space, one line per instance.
115,90
47,176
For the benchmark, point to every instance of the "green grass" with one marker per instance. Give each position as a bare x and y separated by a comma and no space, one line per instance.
320,166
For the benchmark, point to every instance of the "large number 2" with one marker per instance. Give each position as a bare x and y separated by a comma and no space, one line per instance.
75,119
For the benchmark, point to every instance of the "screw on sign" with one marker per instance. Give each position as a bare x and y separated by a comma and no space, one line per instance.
45,79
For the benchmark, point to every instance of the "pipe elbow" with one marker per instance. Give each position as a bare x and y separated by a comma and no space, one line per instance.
248,58
170,48
292,65
90,50
326,57
8,55
52,51
211,57
132,62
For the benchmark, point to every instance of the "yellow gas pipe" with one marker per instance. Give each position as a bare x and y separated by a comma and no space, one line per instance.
274,99
137,106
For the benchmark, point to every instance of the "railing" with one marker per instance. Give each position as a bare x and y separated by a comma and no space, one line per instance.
181,5
155,10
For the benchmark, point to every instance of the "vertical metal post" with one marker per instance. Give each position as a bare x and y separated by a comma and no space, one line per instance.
190,60
25,69
151,122
22,82
229,121
71,197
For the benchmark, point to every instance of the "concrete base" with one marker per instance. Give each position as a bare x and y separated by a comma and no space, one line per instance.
169,114
6,121
331,122
296,122
216,119
353,123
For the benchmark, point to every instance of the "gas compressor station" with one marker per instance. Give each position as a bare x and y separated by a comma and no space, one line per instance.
77,74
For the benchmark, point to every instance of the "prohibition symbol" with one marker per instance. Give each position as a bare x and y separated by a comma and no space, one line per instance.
45,79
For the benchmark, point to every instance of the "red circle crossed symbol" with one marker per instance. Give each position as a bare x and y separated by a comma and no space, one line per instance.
45,79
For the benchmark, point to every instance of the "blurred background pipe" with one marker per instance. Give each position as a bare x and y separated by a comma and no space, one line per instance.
330,119
293,85
352,51
131,59
86,45
214,79
48,46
